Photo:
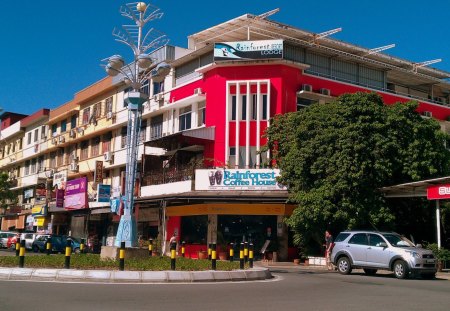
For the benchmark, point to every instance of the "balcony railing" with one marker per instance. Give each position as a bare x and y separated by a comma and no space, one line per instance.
170,175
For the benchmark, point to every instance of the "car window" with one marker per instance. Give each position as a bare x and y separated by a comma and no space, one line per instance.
41,238
341,237
28,236
398,241
375,240
359,238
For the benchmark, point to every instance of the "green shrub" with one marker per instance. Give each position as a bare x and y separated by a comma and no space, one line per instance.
440,253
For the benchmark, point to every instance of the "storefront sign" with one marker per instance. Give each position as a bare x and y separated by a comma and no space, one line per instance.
59,198
29,193
60,179
40,190
245,179
98,173
438,192
39,210
76,194
39,222
103,193
243,50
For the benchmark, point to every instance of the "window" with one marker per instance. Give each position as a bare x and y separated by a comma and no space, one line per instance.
341,237
84,146
143,130
106,142
123,133
201,115
254,107
36,135
20,143
375,240
29,138
233,107
185,118
303,103
43,132
60,157
54,129
264,103
232,158
156,125
359,238
95,146
27,168
158,87
97,110
86,116
33,166
73,121
108,105
244,107
63,126
145,87
40,164
53,159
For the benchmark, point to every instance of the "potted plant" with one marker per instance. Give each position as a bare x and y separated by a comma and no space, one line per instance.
222,247
441,254
202,254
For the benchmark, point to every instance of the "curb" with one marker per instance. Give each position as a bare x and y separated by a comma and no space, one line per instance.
107,276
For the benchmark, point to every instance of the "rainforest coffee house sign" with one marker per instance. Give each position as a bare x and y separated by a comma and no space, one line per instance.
237,179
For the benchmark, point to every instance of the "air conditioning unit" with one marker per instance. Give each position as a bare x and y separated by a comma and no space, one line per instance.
109,115
198,91
108,156
427,114
54,134
73,133
73,167
326,92
307,88
62,139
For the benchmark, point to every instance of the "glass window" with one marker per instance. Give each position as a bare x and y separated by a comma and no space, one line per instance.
54,129
264,110
123,141
341,237
233,107
201,114
33,166
97,110
84,146
52,159
106,142
60,156
86,116
194,229
359,238
398,241
73,121
185,118
156,126
254,106
63,126
375,240
29,138
108,105
303,103
95,146
27,168
143,130
43,132
244,107
36,135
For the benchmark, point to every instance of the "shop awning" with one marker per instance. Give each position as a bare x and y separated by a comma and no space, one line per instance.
413,189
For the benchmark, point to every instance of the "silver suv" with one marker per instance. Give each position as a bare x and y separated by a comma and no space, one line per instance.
372,251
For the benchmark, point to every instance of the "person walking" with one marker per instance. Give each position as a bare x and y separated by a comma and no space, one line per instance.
328,248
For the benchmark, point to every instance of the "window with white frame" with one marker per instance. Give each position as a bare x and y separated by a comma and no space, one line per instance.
109,105
86,115
232,157
233,107
244,108
142,133
63,126
29,138
201,115
36,135
185,118
27,168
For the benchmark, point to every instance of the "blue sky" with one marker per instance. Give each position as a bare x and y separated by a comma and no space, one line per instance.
50,50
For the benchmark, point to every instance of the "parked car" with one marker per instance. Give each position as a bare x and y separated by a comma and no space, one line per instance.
4,235
373,251
29,238
11,244
58,243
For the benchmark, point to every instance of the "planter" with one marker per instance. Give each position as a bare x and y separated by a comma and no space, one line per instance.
306,262
222,255
296,261
155,254
202,255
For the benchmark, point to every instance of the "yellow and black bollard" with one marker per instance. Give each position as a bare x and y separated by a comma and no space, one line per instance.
209,251
17,246
22,254
48,246
241,256
250,255
150,247
246,252
214,256
231,252
183,249
173,258
68,253
122,256
82,246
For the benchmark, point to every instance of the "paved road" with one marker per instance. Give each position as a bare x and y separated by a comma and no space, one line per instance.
292,290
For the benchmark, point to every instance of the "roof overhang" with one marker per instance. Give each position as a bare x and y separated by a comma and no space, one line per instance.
413,189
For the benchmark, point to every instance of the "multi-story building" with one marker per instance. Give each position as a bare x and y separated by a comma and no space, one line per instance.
202,174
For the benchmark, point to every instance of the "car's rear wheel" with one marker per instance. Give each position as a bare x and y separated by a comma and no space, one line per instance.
76,250
370,271
344,266
401,270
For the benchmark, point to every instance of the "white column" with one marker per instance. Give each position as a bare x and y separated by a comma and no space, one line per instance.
176,114
268,110
238,116
438,224
247,128
194,115
227,122
258,124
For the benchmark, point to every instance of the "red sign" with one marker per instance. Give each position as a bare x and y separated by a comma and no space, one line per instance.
438,192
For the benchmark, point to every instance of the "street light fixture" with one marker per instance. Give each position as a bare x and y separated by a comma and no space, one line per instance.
134,75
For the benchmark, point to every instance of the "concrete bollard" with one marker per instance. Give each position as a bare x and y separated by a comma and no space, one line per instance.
68,253
231,252
250,255
241,256
122,256
173,257
22,254
214,256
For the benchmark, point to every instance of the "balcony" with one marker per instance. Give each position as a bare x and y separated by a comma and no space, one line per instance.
170,175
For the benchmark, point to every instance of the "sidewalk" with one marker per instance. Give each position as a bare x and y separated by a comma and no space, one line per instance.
289,265
106,276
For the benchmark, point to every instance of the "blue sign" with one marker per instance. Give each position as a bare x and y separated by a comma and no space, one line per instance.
103,193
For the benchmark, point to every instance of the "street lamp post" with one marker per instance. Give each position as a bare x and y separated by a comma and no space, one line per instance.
134,74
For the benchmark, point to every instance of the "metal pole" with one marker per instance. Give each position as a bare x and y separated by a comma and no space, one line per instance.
213,257
122,256
438,224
